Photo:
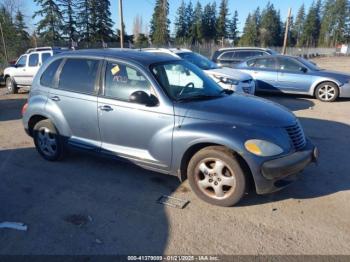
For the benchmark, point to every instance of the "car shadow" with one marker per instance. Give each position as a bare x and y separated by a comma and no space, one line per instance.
82,205
10,109
292,102
329,176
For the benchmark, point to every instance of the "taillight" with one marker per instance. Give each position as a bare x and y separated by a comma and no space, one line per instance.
24,109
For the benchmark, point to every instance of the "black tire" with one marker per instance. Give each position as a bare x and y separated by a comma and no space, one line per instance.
47,141
11,86
209,184
327,92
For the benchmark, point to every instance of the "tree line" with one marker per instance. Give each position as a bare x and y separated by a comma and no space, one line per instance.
326,23
89,22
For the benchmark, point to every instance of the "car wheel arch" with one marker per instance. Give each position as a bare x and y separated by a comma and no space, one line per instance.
192,150
33,121
317,84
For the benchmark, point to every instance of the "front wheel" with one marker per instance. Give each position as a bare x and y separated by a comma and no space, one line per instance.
216,177
327,92
11,86
47,141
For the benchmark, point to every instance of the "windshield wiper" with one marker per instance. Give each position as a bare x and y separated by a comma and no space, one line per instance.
197,97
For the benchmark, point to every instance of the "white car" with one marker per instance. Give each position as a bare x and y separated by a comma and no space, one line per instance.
228,78
22,73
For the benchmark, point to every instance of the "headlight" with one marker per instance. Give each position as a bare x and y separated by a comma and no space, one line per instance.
262,148
228,81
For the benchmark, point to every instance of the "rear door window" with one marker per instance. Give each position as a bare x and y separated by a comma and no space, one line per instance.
79,75
33,60
243,55
48,76
227,56
262,63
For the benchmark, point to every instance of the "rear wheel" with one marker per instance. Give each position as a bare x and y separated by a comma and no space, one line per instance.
47,141
11,86
327,92
216,177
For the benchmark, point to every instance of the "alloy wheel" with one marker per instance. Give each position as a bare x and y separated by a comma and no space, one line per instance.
215,178
327,93
47,142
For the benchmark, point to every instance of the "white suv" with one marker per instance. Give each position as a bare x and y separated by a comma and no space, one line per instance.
227,78
22,73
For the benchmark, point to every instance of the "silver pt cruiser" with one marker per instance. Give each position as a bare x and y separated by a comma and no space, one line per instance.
166,115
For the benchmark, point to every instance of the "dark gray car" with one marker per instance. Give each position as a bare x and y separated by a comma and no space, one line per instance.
166,115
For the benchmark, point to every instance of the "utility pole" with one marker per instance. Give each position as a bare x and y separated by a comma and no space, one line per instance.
3,42
287,31
121,24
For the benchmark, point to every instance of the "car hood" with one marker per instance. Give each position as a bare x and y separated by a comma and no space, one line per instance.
333,74
238,109
229,73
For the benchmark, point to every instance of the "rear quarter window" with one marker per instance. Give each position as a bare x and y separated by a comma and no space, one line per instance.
49,74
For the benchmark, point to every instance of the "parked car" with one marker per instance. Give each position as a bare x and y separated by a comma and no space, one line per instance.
234,55
228,78
296,75
21,74
122,103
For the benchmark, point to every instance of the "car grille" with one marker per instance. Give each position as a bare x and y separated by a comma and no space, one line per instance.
297,136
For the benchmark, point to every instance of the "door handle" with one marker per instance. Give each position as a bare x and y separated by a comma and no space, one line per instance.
106,108
55,98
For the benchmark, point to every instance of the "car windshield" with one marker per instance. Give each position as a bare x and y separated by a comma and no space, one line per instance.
184,81
199,60
309,64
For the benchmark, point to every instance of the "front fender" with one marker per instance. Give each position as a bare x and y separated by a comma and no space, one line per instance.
193,132
322,80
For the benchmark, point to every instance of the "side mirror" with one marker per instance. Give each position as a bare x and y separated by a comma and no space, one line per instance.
142,98
303,69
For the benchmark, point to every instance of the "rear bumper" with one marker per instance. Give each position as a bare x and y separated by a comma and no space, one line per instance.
279,173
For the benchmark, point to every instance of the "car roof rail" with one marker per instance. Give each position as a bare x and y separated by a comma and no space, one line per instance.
45,48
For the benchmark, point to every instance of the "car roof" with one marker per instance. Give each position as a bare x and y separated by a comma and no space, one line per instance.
170,51
132,55
244,48
272,56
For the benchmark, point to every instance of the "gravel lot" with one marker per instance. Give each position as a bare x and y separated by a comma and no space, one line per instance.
91,205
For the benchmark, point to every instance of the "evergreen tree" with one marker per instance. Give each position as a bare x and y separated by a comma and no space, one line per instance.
160,23
9,36
222,21
20,27
250,32
49,28
180,23
270,27
70,24
298,27
209,22
335,21
104,23
22,37
141,41
197,26
233,28
311,26
83,19
189,21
